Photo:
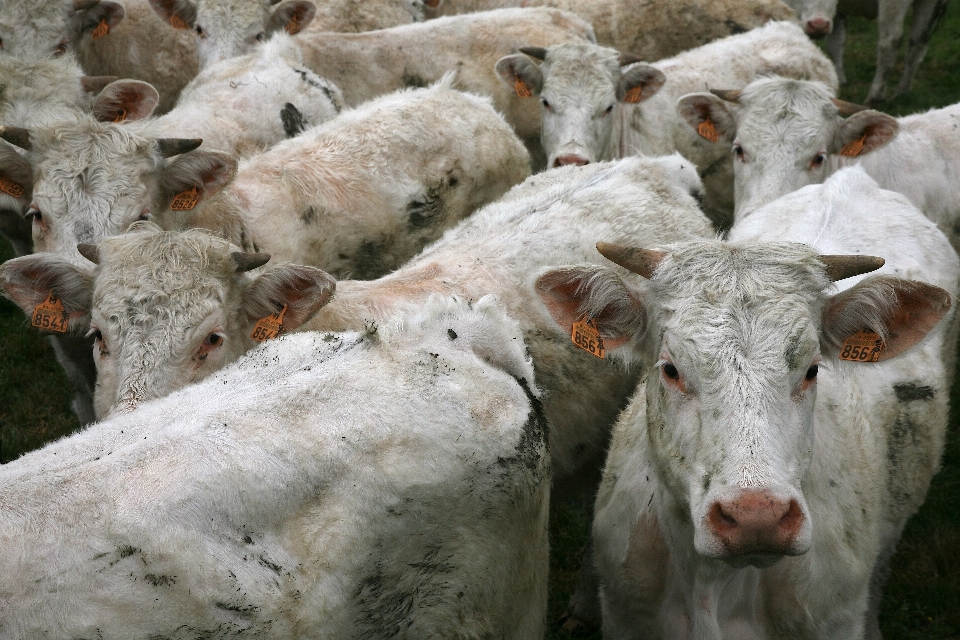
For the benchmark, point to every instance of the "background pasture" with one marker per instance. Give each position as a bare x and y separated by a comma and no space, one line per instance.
922,598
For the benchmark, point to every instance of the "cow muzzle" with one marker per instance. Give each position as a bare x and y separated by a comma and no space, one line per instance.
818,27
756,527
569,159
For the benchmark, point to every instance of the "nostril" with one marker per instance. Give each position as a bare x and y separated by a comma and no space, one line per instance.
792,520
720,520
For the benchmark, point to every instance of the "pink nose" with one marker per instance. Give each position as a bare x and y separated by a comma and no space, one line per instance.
818,27
563,161
755,522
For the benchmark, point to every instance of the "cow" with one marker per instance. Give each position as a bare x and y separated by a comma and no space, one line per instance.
371,64
758,483
109,38
787,134
247,104
392,481
166,308
828,18
597,104
229,28
650,30
354,16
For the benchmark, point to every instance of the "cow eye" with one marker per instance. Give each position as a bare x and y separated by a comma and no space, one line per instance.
199,30
738,150
670,371
546,105
818,161
261,36
60,49
812,373
608,110
213,340
1,44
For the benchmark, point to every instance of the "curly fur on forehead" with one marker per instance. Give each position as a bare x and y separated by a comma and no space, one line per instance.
87,141
578,63
773,95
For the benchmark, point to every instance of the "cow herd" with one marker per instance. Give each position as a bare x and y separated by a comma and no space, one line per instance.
349,291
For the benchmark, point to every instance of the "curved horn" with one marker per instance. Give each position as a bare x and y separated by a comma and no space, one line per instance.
168,147
845,108
18,136
730,95
640,261
84,4
535,52
95,84
840,267
248,261
628,58
90,251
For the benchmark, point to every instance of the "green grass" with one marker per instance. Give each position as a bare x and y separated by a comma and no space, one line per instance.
922,599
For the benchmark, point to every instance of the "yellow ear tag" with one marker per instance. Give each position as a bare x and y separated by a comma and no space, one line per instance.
50,315
185,200
708,130
269,327
11,187
585,335
121,116
522,89
178,23
101,30
853,149
293,26
863,346
634,96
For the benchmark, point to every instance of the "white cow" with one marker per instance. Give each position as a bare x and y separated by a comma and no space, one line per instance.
650,30
392,482
368,65
828,18
354,16
166,309
739,500
787,134
597,104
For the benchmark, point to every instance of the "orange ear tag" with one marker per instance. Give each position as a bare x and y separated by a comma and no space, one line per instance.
293,26
101,30
185,200
708,130
121,116
585,335
634,96
863,346
522,89
269,327
50,315
11,187
178,23
853,149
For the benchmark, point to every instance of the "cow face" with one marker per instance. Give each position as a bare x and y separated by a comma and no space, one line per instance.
738,334
816,16
784,132
231,28
579,87
42,28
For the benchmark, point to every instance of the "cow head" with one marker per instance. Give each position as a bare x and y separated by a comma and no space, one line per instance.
784,131
43,28
579,86
165,308
231,28
739,333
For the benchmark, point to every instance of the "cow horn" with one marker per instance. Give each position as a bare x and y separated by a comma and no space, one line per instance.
628,58
79,5
840,267
18,136
95,84
730,95
90,251
640,261
248,261
845,108
535,52
168,147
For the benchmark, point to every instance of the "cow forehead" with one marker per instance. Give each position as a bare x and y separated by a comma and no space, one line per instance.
86,144
581,66
782,111
236,13
32,28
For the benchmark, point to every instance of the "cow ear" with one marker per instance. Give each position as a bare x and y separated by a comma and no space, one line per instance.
125,100
639,82
29,280
708,115
520,74
576,293
16,191
100,18
179,14
292,16
303,290
863,132
195,176
881,317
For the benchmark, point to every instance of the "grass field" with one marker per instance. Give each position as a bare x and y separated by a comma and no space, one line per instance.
923,595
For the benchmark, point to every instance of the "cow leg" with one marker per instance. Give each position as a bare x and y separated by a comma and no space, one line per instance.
927,16
582,616
834,43
881,571
75,355
890,17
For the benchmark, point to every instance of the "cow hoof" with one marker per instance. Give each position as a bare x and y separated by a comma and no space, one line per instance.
575,627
